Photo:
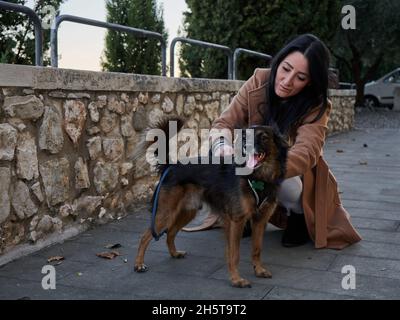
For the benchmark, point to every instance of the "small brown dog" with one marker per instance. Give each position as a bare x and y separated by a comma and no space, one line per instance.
186,186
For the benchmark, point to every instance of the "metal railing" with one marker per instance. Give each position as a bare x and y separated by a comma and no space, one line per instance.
107,25
232,56
239,51
226,49
37,24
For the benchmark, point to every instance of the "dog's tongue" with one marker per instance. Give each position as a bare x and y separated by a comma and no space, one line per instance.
251,161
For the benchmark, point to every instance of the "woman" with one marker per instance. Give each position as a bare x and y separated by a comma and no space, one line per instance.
293,94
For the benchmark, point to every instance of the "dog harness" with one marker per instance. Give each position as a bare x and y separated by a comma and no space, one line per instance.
257,185
155,235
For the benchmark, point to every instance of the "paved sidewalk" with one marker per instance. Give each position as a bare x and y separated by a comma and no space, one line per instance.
369,179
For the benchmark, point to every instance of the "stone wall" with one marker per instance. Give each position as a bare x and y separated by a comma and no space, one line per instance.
342,116
66,137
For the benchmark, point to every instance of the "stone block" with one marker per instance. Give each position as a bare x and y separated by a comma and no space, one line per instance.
8,141
55,175
5,178
74,118
50,133
25,107
27,161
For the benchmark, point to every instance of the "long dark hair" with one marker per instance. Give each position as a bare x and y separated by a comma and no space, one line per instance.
286,113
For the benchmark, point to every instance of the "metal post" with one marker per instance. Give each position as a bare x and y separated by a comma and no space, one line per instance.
37,25
107,25
226,49
238,51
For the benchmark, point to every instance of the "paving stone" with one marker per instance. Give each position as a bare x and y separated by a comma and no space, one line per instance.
163,285
369,266
14,289
191,265
372,249
373,214
380,236
375,224
371,205
282,293
323,281
30,268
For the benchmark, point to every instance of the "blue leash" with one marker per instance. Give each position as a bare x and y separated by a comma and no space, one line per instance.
154,209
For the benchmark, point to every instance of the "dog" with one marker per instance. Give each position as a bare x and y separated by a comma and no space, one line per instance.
187,186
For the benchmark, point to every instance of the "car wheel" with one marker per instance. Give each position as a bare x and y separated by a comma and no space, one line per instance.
371,102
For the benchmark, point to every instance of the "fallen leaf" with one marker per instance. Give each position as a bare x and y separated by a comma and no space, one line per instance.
55,258
113,246
339,151
108,255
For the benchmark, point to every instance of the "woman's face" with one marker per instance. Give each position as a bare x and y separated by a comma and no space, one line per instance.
292,75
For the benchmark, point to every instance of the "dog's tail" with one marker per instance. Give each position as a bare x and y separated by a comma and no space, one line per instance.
162,124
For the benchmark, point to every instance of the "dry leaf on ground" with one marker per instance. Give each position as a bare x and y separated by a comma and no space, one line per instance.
108,255
55,258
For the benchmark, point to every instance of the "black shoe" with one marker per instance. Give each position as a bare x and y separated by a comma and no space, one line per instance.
247,230
296,233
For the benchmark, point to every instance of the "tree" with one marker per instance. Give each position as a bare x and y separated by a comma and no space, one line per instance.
127,52
372,49
259,25
17,40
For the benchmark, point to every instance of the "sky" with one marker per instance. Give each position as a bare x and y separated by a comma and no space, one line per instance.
81,46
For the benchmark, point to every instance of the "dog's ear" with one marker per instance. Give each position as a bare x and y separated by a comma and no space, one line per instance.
277,132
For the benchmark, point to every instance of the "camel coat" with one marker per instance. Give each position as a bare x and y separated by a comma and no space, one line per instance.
327,221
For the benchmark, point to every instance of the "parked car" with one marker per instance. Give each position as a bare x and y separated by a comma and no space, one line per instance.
381,92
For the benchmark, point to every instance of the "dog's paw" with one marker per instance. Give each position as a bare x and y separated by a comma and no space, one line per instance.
262,272
178,254
141,267
241,283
